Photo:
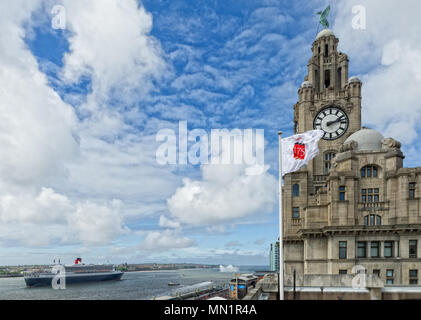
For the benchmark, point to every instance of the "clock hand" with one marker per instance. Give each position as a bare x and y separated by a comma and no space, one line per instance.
334,121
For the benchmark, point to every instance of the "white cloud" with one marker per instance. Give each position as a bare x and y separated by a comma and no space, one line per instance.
388,54
49,217
225,194
167,223
58,174
37,134
165,240
97,224
45,207
111,44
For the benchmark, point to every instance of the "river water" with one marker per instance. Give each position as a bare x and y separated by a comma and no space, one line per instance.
133,286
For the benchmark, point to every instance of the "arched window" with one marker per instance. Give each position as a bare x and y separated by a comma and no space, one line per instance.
327,78
296,190
370,171
328,157
339,78
372,220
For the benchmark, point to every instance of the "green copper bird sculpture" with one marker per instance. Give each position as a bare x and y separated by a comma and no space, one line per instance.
322,19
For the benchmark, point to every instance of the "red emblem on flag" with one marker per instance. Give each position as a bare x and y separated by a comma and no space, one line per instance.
299,150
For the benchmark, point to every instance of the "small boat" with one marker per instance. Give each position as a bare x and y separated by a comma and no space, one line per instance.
172,284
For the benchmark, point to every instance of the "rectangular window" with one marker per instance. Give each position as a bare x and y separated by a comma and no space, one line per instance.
376,272
388,249
366,220
413,276
370,198
342,193
374,172
296,190
361,249
368,171
412,190
374,253
363,198
342,249
413,244
375,194
295,213
378,220
363,173
389,276
343,271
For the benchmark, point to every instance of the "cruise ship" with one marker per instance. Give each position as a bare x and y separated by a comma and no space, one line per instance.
76,273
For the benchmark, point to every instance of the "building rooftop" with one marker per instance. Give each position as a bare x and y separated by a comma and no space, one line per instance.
324,33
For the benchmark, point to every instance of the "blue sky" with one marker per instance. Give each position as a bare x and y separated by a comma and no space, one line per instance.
83,106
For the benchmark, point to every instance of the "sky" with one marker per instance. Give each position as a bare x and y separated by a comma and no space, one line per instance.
81,107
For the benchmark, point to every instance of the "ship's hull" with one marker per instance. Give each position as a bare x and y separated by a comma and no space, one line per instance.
46,280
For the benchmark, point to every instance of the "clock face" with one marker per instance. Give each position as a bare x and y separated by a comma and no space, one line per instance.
333,121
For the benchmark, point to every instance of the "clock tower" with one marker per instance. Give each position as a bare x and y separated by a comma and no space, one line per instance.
354,204
328,100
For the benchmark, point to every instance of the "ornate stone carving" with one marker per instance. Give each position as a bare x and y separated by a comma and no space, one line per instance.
390,143
350,145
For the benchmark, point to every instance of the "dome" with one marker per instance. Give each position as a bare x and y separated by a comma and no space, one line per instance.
325,33
367,139
353,79
306,84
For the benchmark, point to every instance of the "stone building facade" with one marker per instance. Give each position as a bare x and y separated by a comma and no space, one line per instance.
354,204
274,256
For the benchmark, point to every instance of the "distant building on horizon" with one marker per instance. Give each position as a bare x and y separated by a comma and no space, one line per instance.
274,256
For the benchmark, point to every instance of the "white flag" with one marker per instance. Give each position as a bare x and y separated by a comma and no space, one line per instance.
298,150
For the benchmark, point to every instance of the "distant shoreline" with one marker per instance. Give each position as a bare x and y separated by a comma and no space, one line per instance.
160,270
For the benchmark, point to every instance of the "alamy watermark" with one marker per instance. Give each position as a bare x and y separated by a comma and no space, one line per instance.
59,280
359,19
59,17
360,279
224,146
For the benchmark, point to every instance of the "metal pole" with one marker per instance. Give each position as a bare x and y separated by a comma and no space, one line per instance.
281,258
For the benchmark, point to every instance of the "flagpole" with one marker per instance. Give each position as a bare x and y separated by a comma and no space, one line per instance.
281,247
